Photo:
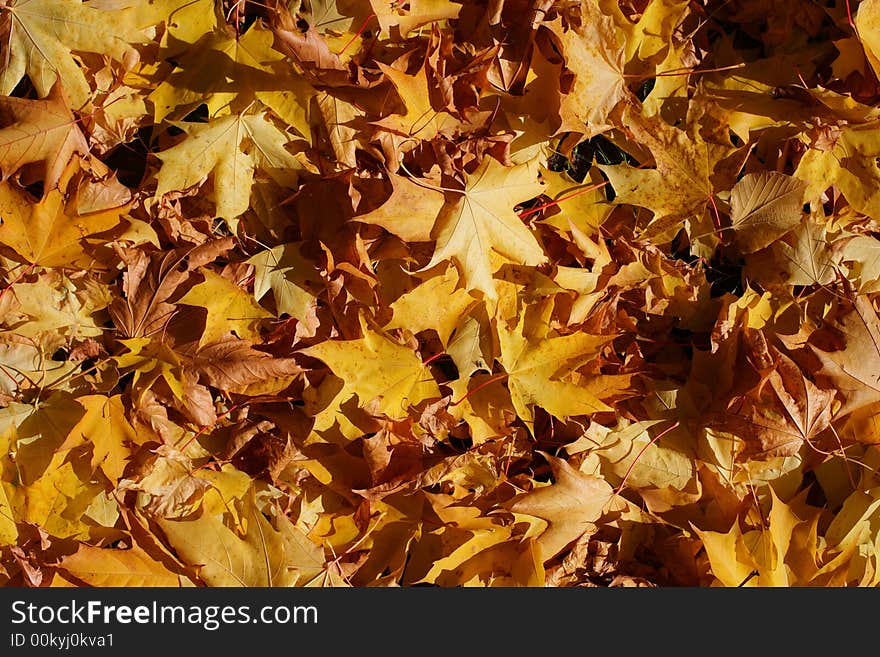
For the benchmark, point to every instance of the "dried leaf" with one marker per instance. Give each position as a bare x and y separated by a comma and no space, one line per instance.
764,207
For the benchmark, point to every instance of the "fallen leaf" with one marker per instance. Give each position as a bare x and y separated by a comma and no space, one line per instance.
480,219
230,148
40,132
572,506
763,208
110,567
375,367
250,556
42,35
49,233
230,309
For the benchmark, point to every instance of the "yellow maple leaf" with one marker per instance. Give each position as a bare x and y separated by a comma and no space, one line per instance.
290,275
679,187
782,554
253,555
150,359
230,309
480,219
850,164
396,214
58,309
51,233
227,72
229,148
535,367
111,567
105,428
375,367
41,36
40,484
593,53
437,303
421,120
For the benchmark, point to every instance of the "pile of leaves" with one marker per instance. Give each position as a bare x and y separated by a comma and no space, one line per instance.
459,293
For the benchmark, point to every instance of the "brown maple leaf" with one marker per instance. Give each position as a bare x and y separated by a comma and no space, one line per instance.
39,132
855,370
150,281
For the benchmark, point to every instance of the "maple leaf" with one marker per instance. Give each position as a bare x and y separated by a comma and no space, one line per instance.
395,214
594,54
149,283
332,16
327,36
680,186
116,567
284,270
851,540
572,505
231,148
57,310
629,451
227,72
438,304
442,555
40,484
763,208
229,308
41,35
39,131
854,369
420,120
149,360
105,428
375,367
850,164
169,487
51,233
783,413
223,556
535,366
480,219
864,254
785,554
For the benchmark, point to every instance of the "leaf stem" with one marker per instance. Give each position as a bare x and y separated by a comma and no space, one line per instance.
24,273
430,360
210,426
531,211
358,33
639,455
497,377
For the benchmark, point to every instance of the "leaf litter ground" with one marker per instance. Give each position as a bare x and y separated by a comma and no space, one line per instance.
452,293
